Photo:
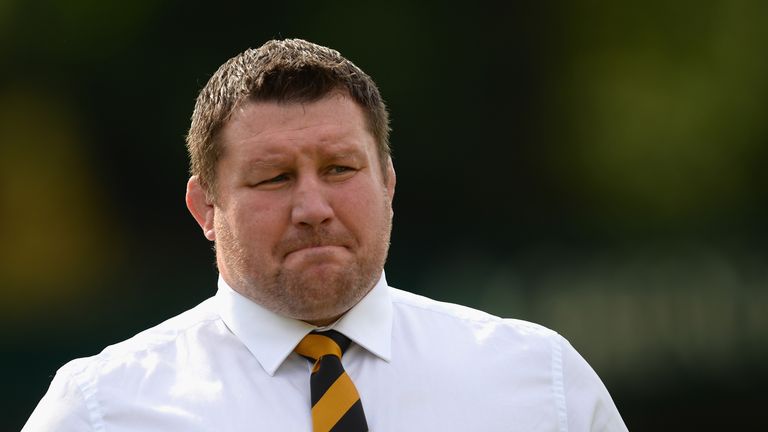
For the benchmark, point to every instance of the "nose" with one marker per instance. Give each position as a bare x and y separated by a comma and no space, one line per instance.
311,206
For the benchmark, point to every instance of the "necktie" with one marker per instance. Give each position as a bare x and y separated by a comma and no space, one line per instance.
336,404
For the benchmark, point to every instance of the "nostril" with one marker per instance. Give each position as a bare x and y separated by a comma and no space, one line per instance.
311,209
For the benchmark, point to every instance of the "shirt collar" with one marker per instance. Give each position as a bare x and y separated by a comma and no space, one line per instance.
271,337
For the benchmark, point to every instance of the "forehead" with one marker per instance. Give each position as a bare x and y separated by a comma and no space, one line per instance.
333,121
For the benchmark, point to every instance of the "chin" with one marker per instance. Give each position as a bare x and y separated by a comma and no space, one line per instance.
315,293
329,302
326,304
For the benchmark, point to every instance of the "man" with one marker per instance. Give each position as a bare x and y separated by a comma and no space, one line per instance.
293,182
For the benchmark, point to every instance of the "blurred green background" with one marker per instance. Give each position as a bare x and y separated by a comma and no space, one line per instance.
597,167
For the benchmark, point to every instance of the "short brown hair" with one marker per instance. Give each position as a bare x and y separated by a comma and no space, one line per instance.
290,70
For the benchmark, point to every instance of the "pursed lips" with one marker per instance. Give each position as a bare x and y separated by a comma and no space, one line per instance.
315,247
317,240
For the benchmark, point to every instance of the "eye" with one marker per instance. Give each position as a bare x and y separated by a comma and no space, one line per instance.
273,181
340,169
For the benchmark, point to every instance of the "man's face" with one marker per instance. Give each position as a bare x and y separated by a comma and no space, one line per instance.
302,216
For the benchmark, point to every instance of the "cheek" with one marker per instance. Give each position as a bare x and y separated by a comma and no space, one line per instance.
258,220
363,207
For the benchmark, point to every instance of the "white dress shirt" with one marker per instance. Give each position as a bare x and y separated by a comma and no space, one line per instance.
418,364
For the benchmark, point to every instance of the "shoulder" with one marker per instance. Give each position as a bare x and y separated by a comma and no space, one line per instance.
77,395
155,342
435,316
510,359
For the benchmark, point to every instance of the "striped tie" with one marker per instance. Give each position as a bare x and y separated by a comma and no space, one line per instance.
336,405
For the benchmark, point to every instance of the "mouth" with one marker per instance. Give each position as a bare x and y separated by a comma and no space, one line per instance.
316,244
316,249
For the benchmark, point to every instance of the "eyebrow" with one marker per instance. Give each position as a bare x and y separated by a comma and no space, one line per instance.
261,163
343,155
267,163
344,152
277,161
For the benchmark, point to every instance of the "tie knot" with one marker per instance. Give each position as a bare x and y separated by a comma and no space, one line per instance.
318,344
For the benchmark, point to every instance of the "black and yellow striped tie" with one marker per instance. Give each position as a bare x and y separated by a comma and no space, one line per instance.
336,404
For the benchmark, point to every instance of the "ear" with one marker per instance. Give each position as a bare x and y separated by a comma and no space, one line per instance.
202,209
391,180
